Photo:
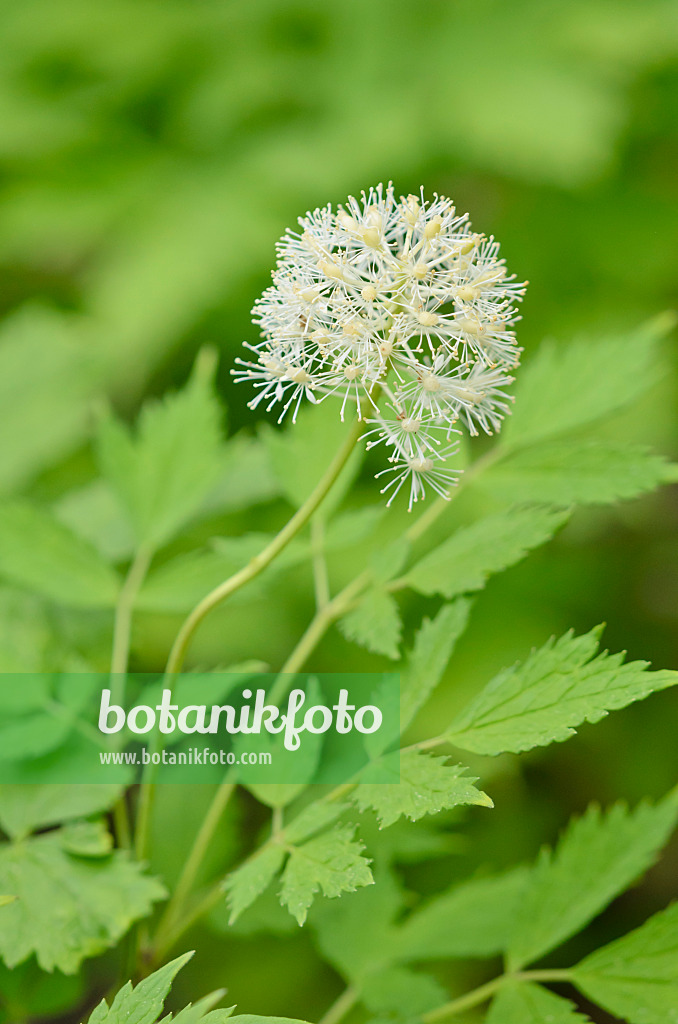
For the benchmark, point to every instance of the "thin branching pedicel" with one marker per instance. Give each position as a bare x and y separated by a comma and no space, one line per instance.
396,297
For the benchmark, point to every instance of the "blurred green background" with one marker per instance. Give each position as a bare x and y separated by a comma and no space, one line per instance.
152,151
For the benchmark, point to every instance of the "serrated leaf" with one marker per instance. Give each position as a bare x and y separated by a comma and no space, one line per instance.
164,471
427,785
25,808
465,560
472,919
585,473
201,1012
636,977
312,819
331,863
401,992
68,907
143,1004
248,881
39,553
542,700
426,662
525,1003
375,623
566,387
598,857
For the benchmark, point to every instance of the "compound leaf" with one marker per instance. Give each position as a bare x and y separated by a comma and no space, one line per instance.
332,862
164,471
426,662
424,784
465,560
39,553
249,880
598,857
68,907
588,473
565,388
472,919
375,623
524,1003
636,977
557,688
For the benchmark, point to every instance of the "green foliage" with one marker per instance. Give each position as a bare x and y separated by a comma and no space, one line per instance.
635,977
332,862
483,911
598,857
584,473
522,1003
68,905
164,472
560,686
464,562
251,878
38,553
425,784
567,388
374,623
425,664
143,1004
26,808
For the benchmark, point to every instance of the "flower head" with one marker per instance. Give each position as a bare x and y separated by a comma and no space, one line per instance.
393,296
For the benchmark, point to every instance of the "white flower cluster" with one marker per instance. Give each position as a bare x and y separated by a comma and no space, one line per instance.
392,297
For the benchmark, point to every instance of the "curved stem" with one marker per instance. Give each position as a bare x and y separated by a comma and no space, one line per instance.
265,557
195,857
122,626
122,634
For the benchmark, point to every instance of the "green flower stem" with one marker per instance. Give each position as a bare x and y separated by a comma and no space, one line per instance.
321,581
122,627
122,634
343,1005
224,590
485,992
265,557
195,857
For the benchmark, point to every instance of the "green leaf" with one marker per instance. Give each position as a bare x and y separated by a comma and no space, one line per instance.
559,686
598,857
426,785
245,477
565,388
332,862
401,992
426,662
178,584
164,471
375,623
465,560
300,454
312,819
143,1004
472,919
524,1003
4,900
25,808
636,977
38,553
68,907
587,473
248,881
